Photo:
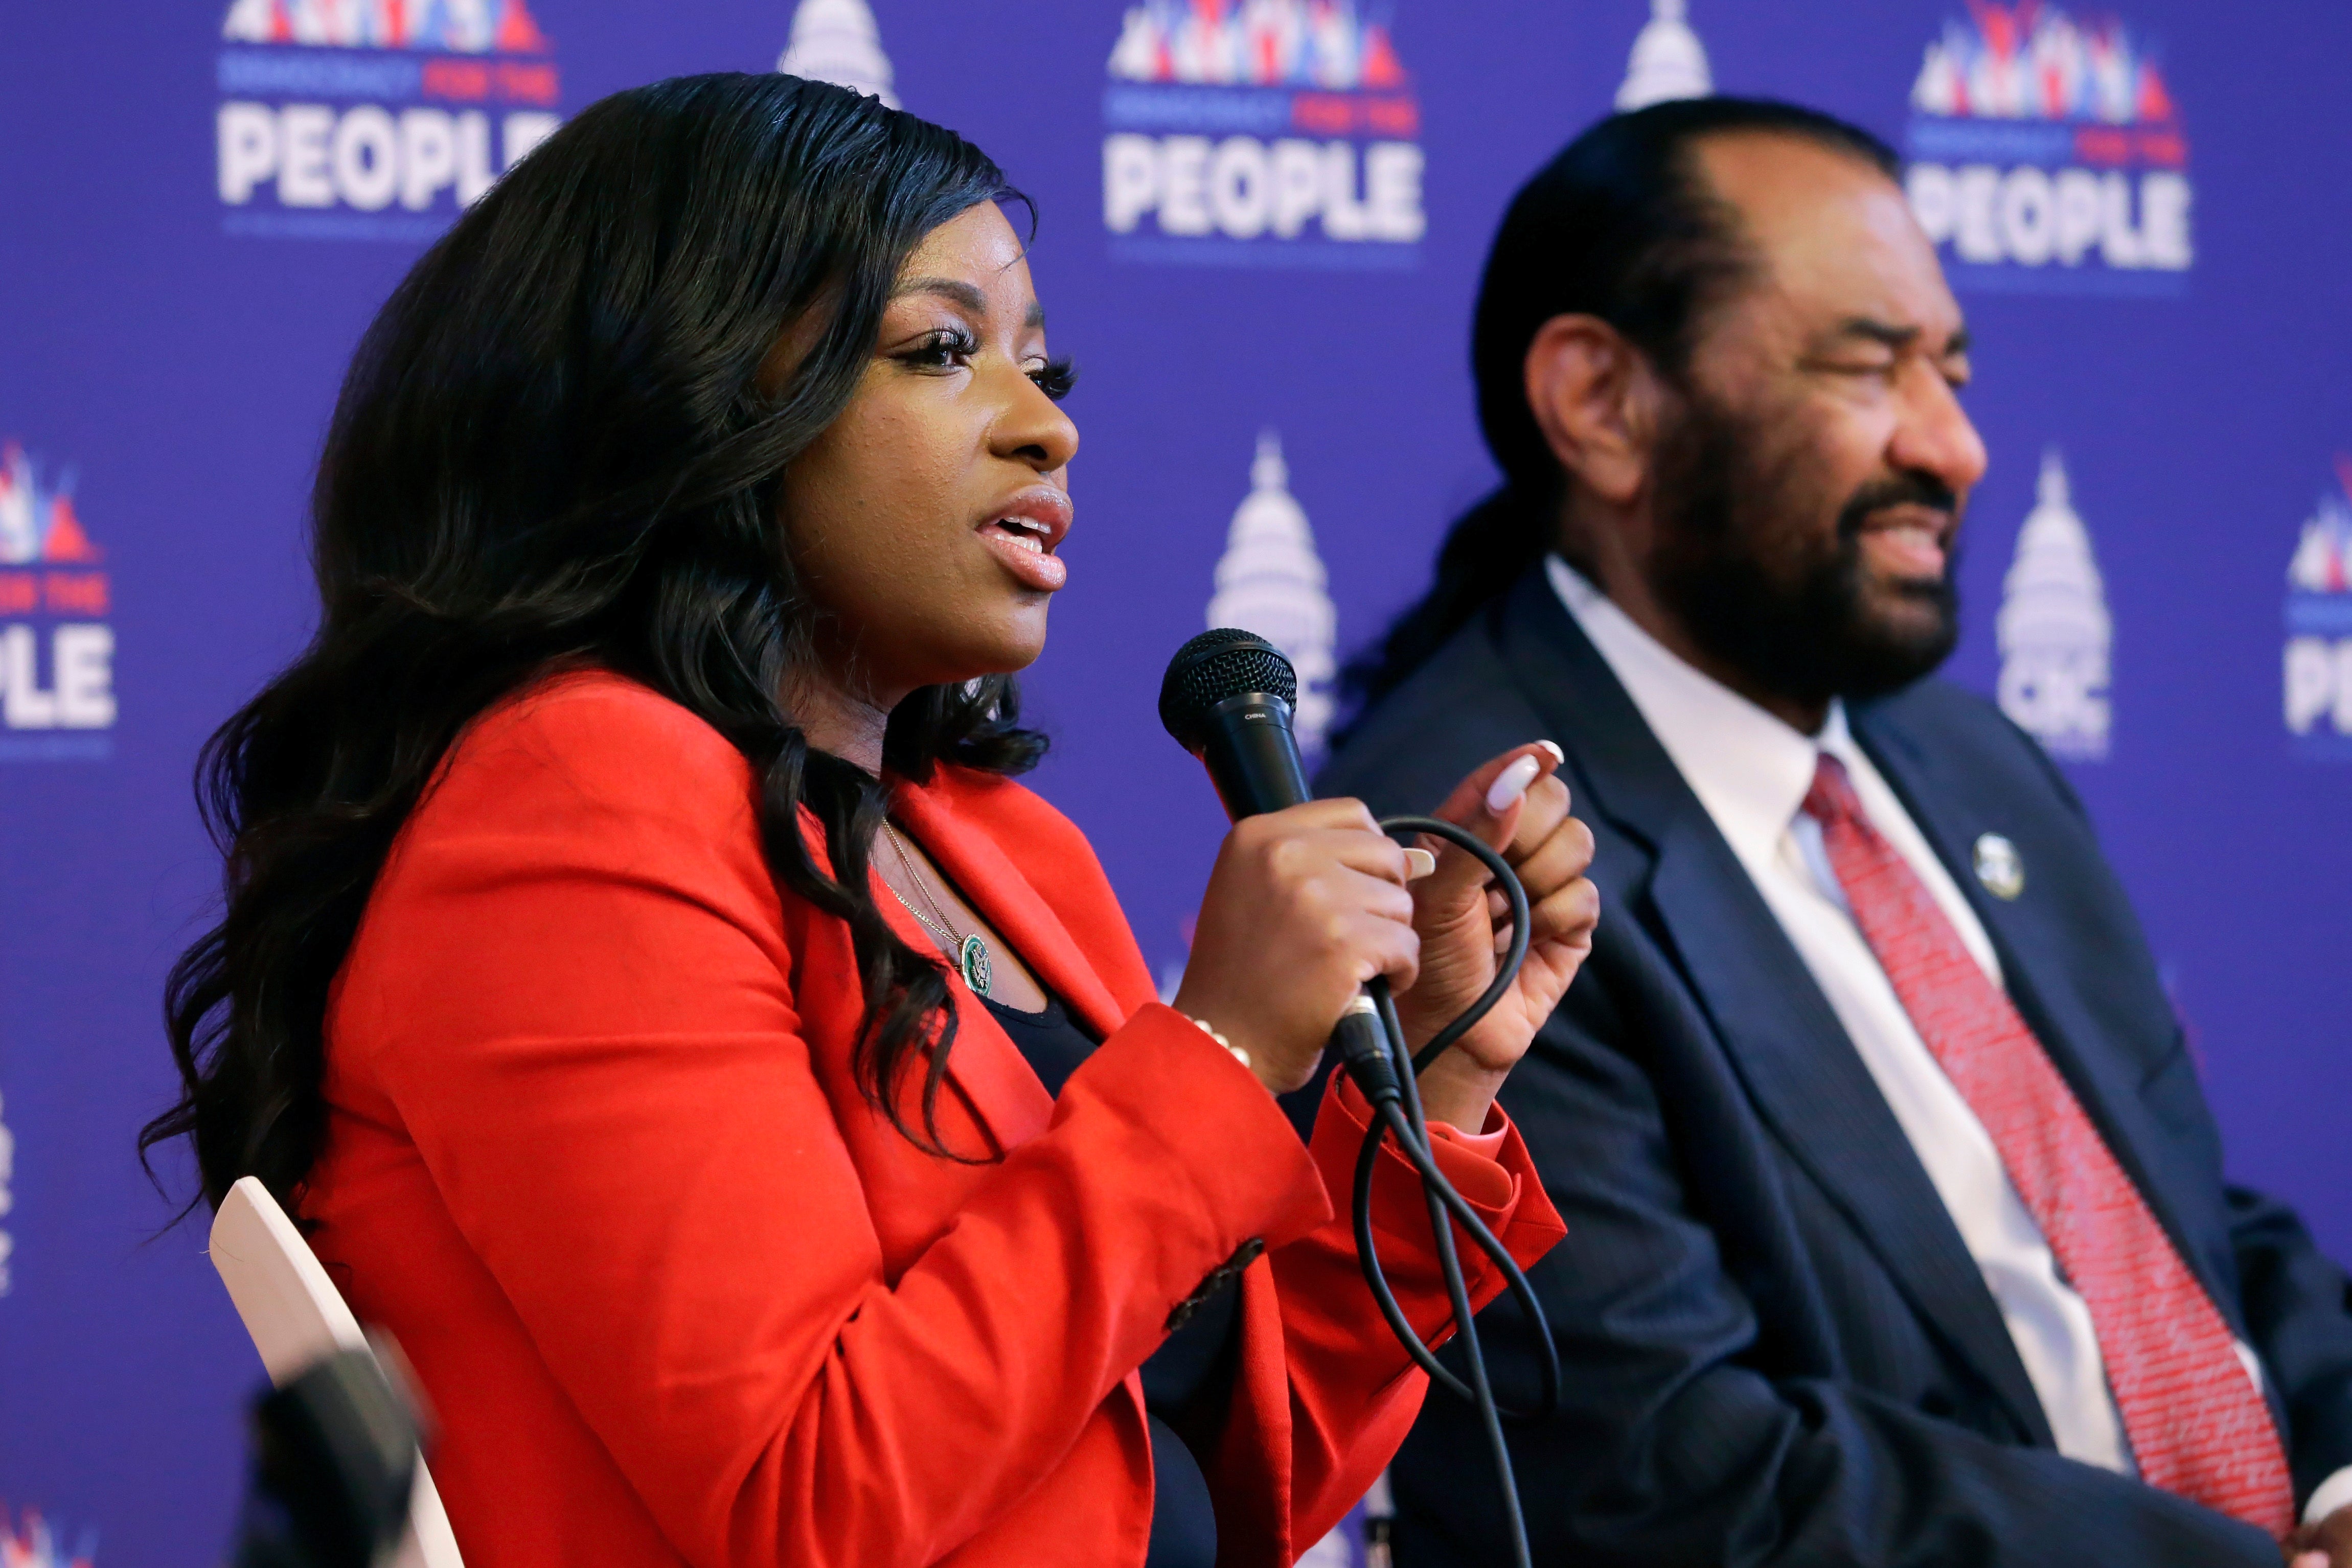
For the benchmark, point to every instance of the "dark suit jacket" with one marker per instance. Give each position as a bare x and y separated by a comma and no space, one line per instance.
1776,1347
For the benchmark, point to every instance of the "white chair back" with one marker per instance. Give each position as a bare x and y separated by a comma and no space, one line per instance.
296,1316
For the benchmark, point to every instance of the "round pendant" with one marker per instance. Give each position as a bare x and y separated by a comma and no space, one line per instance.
973,958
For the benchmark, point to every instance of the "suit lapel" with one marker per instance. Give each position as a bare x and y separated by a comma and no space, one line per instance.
2043,974
985,1063
986,876
1803,1072
1812,1088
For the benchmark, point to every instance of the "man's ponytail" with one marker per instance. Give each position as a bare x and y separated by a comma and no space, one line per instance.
1485,551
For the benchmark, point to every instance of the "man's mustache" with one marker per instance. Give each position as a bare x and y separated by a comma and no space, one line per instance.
1924,490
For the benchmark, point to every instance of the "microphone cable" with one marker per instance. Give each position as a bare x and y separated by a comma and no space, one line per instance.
1228,698
1388,1080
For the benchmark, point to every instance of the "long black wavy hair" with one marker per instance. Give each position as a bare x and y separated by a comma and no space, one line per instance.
1620,226
556,448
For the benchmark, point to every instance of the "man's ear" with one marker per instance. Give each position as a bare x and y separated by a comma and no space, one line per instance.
1595,400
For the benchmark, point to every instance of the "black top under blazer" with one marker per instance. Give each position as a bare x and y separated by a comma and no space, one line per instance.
1776,1347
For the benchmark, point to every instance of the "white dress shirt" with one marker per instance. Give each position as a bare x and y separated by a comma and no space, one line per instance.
1751,772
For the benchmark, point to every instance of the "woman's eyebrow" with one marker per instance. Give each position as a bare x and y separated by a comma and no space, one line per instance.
965,295
961,293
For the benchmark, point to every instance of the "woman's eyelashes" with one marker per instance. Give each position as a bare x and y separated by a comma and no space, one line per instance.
944,349
949,349
1054,378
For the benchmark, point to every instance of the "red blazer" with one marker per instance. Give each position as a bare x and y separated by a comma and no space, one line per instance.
680,1295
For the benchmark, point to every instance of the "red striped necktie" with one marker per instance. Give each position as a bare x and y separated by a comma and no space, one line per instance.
2199,1426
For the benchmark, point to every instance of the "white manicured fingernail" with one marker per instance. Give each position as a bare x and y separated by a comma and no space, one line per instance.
1418,863
1505,790
1559,758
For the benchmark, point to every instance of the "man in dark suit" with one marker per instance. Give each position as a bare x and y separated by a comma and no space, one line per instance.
1897,1229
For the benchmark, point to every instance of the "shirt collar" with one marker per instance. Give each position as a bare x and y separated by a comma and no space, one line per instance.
1748,769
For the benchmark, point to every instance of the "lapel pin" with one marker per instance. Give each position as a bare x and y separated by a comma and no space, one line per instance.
1998,867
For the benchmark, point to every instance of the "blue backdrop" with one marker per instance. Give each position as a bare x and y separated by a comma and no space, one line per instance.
1261,229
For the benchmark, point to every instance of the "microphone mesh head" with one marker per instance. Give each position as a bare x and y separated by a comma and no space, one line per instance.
1213,666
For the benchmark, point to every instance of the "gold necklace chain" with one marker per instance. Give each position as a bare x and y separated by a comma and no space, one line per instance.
937,922
970,951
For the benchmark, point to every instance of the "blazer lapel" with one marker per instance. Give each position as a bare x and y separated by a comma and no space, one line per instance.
1811,1087
995,1075
2043,974
1803,1072
983,1065
986,876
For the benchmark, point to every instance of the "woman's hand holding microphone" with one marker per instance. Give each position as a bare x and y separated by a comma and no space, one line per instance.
1305,905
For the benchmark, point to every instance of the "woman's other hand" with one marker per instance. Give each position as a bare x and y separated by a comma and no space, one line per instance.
1304,906
1516,805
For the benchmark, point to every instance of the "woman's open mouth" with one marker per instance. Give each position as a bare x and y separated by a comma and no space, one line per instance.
1025,538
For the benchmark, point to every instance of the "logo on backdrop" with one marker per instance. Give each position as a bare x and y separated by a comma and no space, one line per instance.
1668,60
374,118
57,648
29,1543
836,41
2053,630
2319,626
1271,582
1260,133
2046,156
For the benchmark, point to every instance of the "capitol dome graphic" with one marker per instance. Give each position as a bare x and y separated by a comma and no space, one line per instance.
2054,633
836,41
1271,582
1669,62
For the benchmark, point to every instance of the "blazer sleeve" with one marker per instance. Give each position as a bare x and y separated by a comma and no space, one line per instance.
570,984
1353,1391
2298,1313
1323,1380
1671,1446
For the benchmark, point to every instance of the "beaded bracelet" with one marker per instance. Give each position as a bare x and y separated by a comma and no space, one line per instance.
1202,1025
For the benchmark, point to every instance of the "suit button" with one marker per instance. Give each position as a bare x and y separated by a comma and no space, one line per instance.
1216,1280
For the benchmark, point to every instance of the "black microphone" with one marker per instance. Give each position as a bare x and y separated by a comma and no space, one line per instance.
1228,698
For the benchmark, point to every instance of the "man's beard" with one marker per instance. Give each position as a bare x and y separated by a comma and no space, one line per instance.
1742,566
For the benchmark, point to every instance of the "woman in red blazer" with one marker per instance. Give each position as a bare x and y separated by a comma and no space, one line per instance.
746,1104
